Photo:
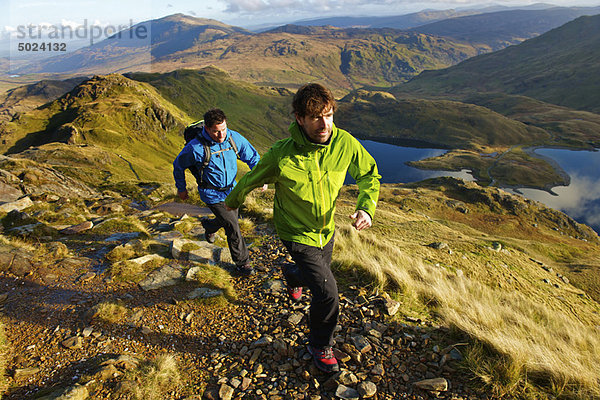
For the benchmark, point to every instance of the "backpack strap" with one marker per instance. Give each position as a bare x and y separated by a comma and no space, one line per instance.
234,146
194,131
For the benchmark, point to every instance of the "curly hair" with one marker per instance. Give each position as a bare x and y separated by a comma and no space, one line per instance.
312,99
213,117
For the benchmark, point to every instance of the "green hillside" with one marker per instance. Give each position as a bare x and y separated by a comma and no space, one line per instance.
28,97
559,67
488,134
441,123
112,128
129,120
260,114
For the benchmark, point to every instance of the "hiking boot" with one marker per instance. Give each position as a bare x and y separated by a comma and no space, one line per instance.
323,358
290,273
295,293
210,237
245,269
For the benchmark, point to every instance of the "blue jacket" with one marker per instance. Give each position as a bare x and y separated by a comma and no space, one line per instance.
222,167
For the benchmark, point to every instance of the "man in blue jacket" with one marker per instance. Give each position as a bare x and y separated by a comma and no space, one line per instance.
212,157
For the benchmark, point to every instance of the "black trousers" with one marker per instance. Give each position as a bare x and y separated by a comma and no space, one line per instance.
314,271
229,221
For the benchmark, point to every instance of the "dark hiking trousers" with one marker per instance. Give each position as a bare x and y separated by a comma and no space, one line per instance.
229,221
313,270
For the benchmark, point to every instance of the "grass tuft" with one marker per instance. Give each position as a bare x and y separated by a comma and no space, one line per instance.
529,337
153,379
111,312
216,277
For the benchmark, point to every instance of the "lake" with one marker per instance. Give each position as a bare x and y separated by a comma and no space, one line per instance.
580,200
391,161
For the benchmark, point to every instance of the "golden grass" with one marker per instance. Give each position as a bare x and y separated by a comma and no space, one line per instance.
120,224
216,277
153,379
18,243
259,204
135,271
3,360
534,338
111,312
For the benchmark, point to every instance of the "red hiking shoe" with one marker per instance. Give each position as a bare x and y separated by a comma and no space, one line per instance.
324,359
295,293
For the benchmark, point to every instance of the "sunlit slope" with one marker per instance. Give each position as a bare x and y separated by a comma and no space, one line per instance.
559,67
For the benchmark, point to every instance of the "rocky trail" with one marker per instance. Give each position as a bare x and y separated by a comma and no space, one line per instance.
251,346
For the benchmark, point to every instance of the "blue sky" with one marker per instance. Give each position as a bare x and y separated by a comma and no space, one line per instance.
244,13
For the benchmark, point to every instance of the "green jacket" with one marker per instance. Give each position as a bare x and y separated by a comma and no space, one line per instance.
308,178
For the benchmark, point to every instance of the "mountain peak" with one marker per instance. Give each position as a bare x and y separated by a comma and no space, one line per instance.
190,20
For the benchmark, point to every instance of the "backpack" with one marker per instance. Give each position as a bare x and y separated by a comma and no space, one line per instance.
194,131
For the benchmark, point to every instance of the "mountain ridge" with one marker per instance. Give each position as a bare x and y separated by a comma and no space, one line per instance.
556,67
504,28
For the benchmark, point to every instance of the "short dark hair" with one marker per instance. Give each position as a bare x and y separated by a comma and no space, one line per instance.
214,116
312,99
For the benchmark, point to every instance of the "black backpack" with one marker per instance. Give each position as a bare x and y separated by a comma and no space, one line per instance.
195,131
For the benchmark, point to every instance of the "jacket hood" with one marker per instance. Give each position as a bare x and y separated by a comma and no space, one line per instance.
299,137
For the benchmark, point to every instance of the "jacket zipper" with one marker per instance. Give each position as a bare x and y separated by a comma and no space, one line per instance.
320,180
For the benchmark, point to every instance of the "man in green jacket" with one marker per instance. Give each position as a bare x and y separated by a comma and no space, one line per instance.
308,170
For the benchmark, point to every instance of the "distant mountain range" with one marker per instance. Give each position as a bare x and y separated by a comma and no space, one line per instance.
504,28
288,56
343,58
560,67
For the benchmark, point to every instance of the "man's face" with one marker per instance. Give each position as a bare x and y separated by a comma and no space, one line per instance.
217,132
317,127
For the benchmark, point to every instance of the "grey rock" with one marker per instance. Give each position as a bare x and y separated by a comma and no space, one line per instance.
119,237
204,293
74,342
245,384
274,286
294,319
21,373
87,277
263,341
76,392
9,193
192,273
346,393
15,263
225,392
378,370
165,276
347,378
87,331
362,344
72,230
111,208
391,306
438,245
168,237
19,205
203,252
367,389
433,385
280,347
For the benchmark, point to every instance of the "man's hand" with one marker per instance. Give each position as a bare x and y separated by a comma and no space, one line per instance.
183,195
264,187
362,220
